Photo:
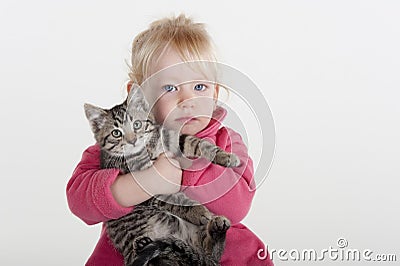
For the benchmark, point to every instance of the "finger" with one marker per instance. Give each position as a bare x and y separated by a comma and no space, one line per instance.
168,154
184,162
173,162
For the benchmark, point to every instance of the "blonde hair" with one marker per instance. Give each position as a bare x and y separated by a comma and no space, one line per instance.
190,39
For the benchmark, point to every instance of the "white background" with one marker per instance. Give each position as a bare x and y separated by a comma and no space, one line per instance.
328,69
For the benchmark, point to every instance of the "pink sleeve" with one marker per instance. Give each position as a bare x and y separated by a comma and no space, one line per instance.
88,191
227,191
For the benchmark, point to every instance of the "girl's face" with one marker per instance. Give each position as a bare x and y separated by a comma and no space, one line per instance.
182,98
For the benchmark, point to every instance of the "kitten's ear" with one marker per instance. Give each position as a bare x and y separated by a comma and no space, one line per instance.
96,116
137,100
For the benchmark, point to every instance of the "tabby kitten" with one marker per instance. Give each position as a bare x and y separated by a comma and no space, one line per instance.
166,229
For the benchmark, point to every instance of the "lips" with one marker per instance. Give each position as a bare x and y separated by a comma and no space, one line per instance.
185,119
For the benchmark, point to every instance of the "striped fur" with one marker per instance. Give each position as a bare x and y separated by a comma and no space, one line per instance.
166,229
135,149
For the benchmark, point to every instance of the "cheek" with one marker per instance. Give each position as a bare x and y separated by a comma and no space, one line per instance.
161,111
205,105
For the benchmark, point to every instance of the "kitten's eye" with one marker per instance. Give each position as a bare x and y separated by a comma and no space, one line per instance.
200,87
116,133
137,124
169,88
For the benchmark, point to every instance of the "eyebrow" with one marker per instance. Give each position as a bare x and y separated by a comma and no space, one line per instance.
173,81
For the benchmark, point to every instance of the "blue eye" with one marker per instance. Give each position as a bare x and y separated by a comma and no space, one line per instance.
169,88
200,87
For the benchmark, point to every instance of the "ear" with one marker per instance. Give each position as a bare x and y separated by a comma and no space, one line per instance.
96,116
216,91
129,86
137,100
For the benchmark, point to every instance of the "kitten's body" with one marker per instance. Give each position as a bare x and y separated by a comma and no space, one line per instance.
166,229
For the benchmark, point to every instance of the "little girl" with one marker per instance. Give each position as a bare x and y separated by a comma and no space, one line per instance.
98,195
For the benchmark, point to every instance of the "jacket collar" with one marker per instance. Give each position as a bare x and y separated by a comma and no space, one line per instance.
218,116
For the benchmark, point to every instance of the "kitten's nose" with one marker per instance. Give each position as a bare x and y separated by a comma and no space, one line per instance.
131,139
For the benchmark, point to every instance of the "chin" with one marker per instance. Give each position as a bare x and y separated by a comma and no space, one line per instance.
188,130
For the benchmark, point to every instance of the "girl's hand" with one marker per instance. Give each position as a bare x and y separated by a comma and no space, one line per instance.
168,174
164,177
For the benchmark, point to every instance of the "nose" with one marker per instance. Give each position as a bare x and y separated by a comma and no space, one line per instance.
186,97
130,138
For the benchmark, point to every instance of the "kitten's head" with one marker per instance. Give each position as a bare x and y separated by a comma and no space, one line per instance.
124,128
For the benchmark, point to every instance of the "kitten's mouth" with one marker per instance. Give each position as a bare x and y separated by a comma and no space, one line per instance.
132,148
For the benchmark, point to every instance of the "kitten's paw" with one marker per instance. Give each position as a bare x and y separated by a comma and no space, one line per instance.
205,218
219,225
141,242
227,159
234,160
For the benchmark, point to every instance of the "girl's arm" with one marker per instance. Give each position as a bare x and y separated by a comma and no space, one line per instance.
89,190
97,195
231,190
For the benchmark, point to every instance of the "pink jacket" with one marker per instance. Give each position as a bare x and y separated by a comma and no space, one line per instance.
230,194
